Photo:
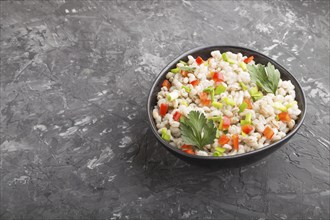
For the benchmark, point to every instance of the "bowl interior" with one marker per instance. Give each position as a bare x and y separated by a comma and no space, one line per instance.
205,53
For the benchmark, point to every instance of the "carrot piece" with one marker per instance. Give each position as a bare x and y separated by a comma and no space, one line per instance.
166,83
235,141
284,116
184,73
223,140
203,96
248,102
268,133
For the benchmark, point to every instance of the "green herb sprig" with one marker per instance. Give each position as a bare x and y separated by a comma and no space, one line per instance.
197,130
265,77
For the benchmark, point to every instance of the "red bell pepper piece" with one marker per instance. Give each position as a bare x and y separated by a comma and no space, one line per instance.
225,123
218,77
188,149
176,116
247,128
195,82
163,109
199,60
249,59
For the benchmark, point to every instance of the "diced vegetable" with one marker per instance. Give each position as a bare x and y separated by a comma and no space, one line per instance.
242,65
248,117
231,61
184,102
277,118
172,96
208,89
255,94
165,135
242,107
175,70
235,141
206,102
227,59
247,120
217,154
218,77
186,88
186,147
212,95
268,133
217,134
187,68
225,123
248,102
284,116
243,86
224,139
163,109
204,99
217,104
229,101
167,84
199,60
203,96
279,106
247,128
220,149
224,57
184,73
195,82
176,116
220,89
184,63
216,118
249,59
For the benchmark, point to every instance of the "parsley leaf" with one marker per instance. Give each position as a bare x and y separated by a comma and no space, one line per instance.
266,78
197,130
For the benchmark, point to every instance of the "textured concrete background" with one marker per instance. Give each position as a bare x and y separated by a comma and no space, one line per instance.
75,142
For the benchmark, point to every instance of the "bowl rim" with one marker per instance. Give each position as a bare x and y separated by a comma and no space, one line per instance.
229,157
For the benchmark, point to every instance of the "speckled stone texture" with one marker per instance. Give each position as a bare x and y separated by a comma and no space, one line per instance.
75,141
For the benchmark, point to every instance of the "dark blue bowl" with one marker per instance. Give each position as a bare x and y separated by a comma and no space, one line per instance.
239,159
